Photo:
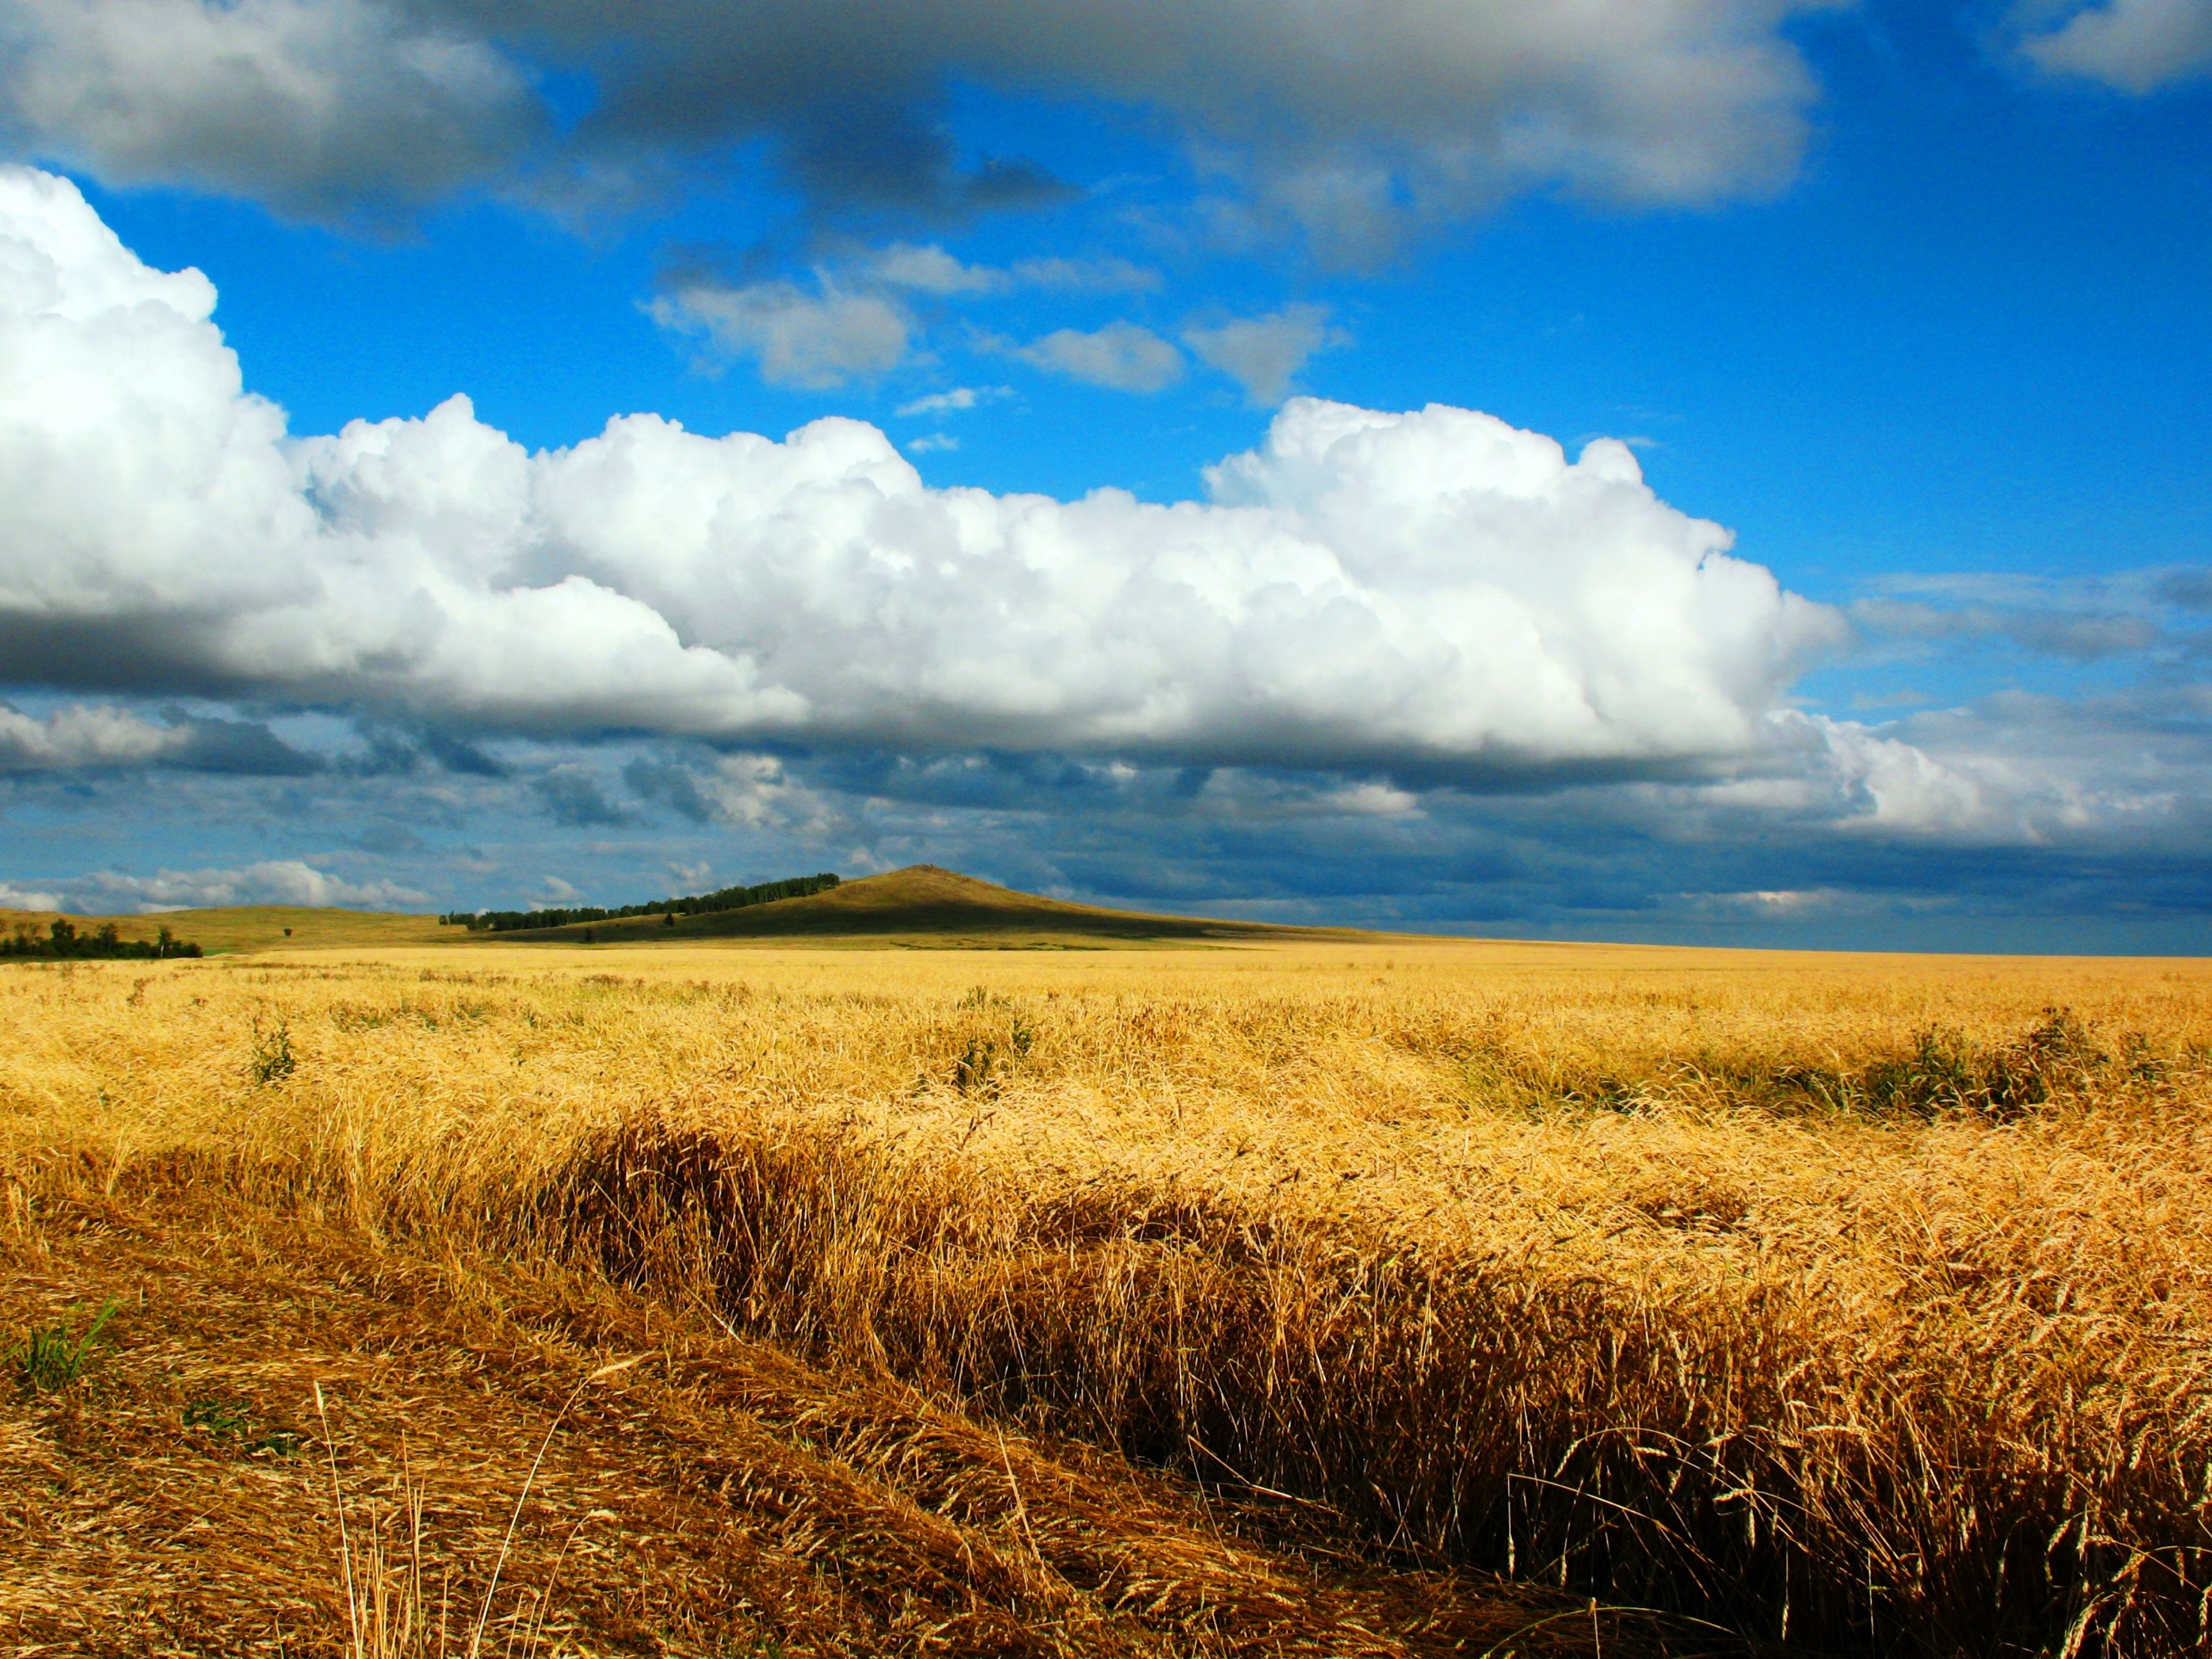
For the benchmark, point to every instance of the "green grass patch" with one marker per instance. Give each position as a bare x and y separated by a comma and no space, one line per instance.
48,1361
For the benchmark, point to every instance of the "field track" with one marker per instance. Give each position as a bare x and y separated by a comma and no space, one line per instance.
716,1498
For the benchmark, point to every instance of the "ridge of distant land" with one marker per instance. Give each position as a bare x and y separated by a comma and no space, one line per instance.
695,904
922,907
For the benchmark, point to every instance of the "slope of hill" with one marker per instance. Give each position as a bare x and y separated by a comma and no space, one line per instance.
259,926
921,905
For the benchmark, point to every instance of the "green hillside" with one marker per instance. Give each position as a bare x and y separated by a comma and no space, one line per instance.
921,906
259,926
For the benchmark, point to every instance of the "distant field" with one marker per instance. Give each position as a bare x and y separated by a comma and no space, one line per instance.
1262,1299
260,928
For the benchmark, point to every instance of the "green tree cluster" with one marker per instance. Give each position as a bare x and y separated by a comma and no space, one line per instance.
62,940
700,904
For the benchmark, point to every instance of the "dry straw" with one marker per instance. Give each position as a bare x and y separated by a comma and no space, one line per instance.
1861,1302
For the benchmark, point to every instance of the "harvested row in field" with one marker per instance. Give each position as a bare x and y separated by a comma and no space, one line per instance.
693,1494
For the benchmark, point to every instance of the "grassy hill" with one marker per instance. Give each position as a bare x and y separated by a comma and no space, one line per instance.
260,928
921,906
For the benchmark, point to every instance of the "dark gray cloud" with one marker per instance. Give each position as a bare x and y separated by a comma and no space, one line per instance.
243,747
456,754
2117,614
2186,590
2078,636
891,157
389,839
575,797
1342,115
323,108
1626,860
675,787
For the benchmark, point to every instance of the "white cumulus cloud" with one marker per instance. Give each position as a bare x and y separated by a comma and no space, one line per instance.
1124,357
819,339
1366,589
958,399
2132,45
1264,353
929,269
84,737
276,881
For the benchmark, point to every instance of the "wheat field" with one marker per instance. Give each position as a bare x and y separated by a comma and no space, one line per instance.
1864,1302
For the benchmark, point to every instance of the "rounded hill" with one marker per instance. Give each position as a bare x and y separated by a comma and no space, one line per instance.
923,905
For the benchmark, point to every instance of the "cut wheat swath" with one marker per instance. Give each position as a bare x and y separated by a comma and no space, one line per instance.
385,1622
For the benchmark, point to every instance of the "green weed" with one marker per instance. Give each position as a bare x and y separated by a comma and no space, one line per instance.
235,1422
48,1361
273,1059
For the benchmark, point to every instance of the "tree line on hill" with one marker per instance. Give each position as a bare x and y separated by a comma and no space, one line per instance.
700,904
62,941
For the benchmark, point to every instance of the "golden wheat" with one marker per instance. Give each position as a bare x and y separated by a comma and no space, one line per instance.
1867,1299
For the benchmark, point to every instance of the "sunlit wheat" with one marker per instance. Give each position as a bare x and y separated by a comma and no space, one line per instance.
1867,1298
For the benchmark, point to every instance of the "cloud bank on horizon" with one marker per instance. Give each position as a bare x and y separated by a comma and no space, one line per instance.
1434,595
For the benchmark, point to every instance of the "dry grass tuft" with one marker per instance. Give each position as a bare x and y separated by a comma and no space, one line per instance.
1865,1301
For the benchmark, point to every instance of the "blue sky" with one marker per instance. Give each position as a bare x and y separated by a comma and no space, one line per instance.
1884,622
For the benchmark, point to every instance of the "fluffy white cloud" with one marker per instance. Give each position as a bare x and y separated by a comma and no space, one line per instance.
276,881
1889,785
2133,46
84,737
81,736
820,339
1264,355
1124,357
959,399
928,269
1366,589
855,320
931,269
1235,793
755,791
2012,770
